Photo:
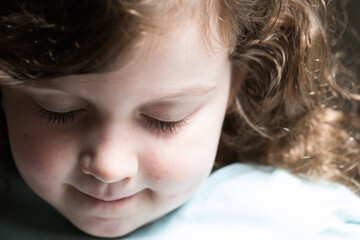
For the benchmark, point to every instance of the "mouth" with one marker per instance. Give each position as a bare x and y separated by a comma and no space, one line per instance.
123,205
94,200
110,199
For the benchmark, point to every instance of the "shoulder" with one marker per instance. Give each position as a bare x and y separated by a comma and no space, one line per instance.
253,202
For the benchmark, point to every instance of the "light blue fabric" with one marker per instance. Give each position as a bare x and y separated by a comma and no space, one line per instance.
245,202
235,202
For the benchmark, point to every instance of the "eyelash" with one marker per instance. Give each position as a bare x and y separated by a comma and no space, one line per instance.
58,118
66,118
163,126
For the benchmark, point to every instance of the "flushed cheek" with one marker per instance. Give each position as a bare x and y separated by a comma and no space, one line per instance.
179,166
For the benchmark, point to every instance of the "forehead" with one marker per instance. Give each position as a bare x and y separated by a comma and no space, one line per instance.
191,27
183,41
175,57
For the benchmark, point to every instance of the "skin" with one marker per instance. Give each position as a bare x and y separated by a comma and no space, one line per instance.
109,171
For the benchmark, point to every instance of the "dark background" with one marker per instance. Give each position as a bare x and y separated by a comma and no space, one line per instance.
353,9
354,13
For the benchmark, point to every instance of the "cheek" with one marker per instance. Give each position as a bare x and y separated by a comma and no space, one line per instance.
32,153
181,163
184,161
39,156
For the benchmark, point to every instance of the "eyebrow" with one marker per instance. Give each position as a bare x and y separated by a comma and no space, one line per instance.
47,88
196,90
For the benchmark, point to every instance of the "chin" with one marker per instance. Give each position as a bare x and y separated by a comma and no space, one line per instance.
106,228
108,234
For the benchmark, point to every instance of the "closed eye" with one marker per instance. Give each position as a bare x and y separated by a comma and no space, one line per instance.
66,118
60,118
163,126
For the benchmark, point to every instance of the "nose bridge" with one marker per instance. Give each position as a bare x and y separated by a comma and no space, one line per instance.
111,155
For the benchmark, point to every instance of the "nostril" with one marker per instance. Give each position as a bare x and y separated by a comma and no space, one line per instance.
106,177
108,169
85,164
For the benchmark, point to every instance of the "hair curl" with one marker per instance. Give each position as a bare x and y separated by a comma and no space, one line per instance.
291,100
283,113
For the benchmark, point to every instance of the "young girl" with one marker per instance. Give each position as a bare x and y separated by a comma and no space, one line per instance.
115,111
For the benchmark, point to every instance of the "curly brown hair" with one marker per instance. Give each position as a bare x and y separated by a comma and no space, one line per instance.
293,108
291,101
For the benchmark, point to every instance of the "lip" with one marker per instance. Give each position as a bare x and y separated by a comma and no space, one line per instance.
110,199
121,205
103,198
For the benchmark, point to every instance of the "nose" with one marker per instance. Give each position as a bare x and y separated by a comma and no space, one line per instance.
112,158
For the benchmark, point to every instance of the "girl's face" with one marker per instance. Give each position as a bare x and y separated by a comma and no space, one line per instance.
116,150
